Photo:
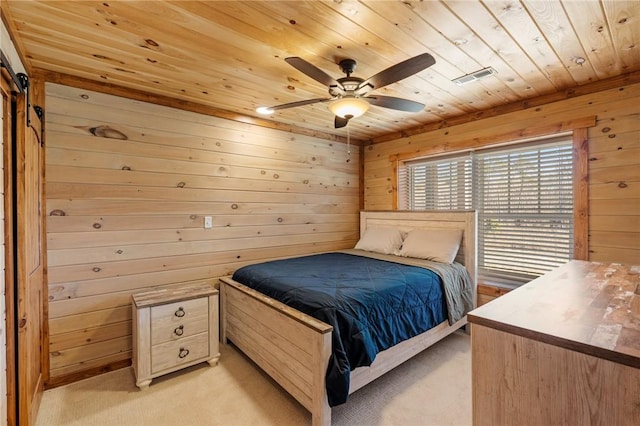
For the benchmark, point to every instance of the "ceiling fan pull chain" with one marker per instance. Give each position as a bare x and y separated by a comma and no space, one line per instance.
348,145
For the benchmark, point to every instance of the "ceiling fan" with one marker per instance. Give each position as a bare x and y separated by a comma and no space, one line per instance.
350,96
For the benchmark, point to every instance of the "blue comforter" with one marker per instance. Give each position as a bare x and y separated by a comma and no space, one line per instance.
372,304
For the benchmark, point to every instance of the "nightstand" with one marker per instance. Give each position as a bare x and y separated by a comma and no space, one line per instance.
174,326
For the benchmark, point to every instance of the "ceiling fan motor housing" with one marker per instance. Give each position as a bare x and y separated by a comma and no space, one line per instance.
347,87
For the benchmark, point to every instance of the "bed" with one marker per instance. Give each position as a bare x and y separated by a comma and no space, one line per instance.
295,349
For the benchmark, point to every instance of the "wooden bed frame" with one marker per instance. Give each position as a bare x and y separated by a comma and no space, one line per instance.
294,348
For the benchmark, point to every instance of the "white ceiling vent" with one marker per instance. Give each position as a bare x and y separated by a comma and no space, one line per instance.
474,76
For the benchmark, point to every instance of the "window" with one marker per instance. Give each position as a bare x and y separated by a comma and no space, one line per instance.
524,198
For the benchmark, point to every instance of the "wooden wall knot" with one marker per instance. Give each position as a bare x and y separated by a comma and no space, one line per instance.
107,132
622,185
97,225
96,269
234,206
119,251
181,184
57,212
126,168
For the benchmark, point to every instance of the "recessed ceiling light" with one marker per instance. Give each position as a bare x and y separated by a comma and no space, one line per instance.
264,110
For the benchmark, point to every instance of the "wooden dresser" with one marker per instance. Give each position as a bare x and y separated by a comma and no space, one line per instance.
174,327
563,349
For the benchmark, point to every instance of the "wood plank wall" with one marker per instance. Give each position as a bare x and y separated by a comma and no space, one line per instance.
128,186
614,161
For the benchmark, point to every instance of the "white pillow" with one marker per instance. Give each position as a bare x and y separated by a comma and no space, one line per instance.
381,240
439,245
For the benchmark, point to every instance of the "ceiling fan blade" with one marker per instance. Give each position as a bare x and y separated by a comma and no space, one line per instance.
395,103
400,71
312,71
298,103
340,122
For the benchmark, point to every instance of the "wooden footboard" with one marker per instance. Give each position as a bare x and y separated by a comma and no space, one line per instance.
293,348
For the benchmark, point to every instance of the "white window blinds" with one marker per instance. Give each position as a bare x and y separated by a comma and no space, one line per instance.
439,184
524,199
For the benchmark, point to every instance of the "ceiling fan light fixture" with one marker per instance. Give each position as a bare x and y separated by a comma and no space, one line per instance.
353,107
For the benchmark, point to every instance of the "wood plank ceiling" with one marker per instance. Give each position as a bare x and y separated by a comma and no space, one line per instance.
230,54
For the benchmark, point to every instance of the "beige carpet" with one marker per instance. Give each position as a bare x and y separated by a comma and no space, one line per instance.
433,388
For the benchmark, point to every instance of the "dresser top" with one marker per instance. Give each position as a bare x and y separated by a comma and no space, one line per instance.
174,293
588,307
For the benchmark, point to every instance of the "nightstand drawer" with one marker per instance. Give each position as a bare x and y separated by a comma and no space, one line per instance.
178,320
172,354
172,313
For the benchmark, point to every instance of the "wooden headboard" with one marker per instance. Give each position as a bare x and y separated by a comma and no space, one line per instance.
437,219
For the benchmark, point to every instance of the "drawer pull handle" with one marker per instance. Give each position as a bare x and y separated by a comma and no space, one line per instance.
180,312
183,353
179,331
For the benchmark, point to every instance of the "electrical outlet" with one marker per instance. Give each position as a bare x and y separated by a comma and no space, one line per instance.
208,222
